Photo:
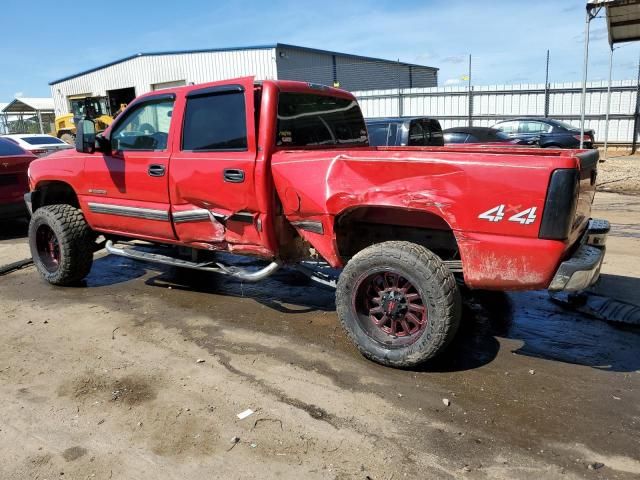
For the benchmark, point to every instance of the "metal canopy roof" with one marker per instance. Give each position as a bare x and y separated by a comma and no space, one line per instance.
29,105
623,19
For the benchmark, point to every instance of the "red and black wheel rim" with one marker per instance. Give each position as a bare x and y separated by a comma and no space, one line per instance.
390,308
48,248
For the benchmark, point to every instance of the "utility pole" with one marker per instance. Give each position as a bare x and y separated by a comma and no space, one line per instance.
606,118
470,107
583,100
546,88
636,113
400,109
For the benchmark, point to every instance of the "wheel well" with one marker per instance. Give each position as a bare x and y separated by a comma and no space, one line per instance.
365,226
51,193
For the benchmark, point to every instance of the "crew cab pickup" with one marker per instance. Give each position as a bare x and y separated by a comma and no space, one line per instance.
283,171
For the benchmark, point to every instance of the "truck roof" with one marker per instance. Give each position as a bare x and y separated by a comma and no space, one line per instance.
285,85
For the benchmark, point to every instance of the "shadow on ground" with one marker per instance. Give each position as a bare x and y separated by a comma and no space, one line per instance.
545,329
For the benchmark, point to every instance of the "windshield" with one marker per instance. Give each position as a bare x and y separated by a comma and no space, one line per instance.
94,106
308,119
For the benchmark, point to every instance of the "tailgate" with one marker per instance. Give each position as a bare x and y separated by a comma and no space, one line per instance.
586,188
569,197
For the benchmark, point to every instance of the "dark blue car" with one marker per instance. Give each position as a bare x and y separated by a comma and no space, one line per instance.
546,132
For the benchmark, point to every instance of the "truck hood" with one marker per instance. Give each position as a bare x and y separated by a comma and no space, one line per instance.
65,165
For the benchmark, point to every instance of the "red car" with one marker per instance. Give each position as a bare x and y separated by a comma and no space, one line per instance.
283,171
14,162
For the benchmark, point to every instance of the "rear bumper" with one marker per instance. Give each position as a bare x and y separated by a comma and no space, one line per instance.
583,268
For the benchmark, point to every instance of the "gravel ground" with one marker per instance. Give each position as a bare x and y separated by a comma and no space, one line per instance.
619,174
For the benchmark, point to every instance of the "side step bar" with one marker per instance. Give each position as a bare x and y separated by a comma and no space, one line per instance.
241,274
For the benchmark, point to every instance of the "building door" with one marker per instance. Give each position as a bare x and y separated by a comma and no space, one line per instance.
119,98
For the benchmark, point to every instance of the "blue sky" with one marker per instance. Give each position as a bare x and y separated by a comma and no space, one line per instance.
43,40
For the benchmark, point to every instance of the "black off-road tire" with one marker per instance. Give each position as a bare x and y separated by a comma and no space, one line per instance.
430,277
75,240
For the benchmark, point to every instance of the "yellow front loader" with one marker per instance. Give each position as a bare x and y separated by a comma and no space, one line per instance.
93,108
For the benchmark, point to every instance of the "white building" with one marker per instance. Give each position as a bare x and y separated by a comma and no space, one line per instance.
122,80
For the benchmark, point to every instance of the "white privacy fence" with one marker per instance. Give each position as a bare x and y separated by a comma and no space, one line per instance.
485,105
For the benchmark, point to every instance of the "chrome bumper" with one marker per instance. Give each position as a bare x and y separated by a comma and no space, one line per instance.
583,268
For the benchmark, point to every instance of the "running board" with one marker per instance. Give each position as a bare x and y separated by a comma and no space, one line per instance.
241,274
455,266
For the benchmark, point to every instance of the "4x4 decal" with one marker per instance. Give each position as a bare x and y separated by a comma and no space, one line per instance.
496,214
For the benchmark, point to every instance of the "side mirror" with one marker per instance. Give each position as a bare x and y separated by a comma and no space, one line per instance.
85,136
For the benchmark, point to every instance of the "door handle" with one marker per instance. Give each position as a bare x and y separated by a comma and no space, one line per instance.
233,175
156,170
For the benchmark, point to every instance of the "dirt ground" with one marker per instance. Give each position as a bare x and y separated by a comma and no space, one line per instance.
105,380
619,172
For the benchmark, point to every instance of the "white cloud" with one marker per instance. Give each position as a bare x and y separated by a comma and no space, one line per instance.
453,81
18,94
455,59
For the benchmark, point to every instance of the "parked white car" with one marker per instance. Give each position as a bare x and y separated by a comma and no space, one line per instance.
37,143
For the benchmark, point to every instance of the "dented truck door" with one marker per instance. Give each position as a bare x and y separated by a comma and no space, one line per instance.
211,181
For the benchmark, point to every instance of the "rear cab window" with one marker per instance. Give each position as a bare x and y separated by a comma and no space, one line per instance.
425,133
306,119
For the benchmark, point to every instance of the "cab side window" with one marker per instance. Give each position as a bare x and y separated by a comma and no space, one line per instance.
145,128
215,122
507,127
535,127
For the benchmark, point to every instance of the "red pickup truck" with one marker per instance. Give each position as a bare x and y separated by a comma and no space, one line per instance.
283,171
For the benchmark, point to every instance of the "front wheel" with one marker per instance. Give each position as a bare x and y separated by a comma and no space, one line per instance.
61,244
398,303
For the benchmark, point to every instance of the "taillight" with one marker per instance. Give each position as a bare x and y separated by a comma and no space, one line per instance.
560,204
39,152
587,137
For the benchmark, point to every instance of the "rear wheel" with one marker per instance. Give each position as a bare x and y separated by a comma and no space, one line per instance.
61,243
398,303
